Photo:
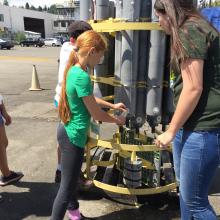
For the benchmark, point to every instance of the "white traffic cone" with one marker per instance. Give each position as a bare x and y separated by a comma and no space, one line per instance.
35,85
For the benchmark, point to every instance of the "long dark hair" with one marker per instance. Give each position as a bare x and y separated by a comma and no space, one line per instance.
178,12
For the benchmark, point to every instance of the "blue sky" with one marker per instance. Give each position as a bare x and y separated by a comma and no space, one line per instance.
35,3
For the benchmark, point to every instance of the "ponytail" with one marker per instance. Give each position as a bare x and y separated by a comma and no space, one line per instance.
84,42
63,108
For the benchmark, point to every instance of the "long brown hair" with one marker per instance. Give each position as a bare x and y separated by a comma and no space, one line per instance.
84,43
178,12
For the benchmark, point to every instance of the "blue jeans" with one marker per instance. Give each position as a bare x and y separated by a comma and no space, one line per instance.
196,159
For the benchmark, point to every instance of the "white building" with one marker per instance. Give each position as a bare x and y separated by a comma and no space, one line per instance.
18,19
68,11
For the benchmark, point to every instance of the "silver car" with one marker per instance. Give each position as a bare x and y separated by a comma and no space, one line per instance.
54,42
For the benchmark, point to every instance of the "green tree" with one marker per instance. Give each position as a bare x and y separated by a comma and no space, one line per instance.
40,8
27,5
19,36
5,2
33,8
216,3
202,3
52,9
45,8
209,3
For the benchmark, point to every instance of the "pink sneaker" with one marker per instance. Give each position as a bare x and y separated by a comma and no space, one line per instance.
76,215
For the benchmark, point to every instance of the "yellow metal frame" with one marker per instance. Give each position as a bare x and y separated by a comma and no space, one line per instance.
123,147
113,25
127,191
124,150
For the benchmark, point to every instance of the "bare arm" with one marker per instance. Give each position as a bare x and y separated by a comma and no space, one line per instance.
98,114
104,104
192,76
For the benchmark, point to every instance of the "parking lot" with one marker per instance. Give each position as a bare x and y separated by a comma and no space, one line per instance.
32,148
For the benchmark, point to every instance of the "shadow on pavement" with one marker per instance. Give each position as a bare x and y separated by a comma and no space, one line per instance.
35,200
91,194
142,213
154,207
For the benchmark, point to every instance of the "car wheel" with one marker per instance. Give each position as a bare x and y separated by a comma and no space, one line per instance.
8,48
53,45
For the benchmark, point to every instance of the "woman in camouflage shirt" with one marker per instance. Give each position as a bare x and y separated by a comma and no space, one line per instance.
195,126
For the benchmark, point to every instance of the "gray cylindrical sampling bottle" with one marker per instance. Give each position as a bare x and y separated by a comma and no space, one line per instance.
145,14
155,75
101,70
129,56
118,39
85,10
102,9
111,9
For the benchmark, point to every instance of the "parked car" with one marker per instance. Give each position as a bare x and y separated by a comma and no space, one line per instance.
6,44
62,39
52,42
37,42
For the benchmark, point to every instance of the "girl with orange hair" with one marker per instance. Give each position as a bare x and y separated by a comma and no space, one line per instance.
76,106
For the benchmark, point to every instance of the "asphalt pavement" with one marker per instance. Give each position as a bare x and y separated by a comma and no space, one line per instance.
32,149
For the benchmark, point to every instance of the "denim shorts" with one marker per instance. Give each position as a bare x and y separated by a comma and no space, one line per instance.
1,120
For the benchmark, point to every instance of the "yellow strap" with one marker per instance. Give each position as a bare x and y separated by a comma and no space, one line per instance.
108,98
117,83
106,80
103,163
115,25
145,164
133,156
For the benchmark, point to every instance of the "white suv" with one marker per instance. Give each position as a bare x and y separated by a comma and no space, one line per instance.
52,42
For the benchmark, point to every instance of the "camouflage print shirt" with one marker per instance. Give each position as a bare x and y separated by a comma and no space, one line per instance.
202,42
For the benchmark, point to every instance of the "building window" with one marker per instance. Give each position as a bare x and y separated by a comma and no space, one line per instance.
55,23
63,24
1,17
